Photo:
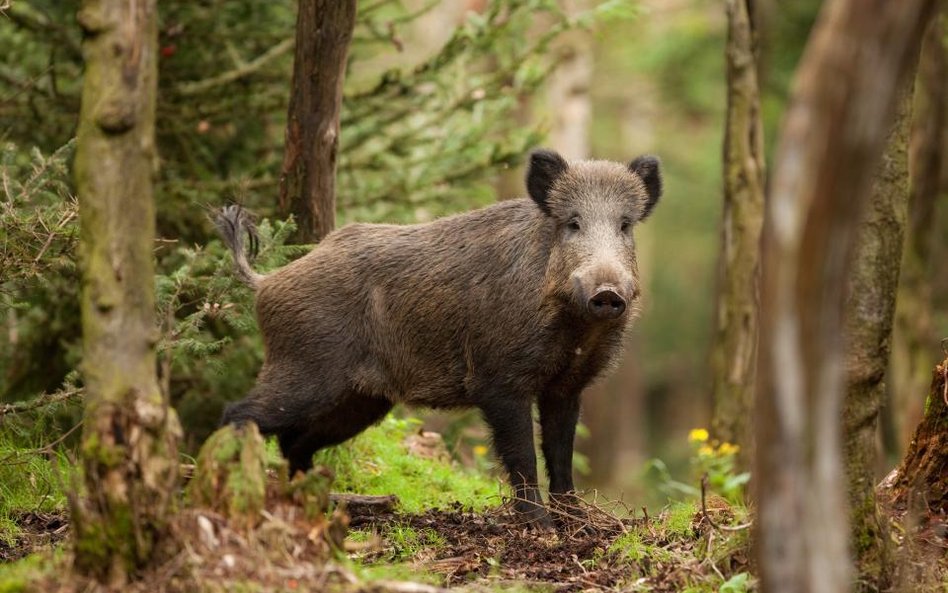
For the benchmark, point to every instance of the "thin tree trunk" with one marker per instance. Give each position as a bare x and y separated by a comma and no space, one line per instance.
841,108
128,445
870,307
308,181
568,90
734,353
914,338
568,97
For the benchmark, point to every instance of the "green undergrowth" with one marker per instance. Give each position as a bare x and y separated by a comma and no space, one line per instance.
378,462
674,543
30,481
396,571
407,542
17,577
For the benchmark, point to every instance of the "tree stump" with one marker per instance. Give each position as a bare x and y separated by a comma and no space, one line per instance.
923,473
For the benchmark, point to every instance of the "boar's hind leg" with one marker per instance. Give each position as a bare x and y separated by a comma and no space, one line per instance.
511,423
254,409
558,416
354,413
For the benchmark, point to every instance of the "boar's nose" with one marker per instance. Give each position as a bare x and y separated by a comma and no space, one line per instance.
606,304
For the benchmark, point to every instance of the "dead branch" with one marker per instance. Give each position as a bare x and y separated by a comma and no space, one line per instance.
197,87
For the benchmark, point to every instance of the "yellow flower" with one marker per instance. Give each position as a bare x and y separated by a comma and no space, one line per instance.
698,435
480,450
728,449
705,451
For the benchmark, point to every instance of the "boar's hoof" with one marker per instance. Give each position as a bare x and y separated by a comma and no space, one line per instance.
534,516
606,304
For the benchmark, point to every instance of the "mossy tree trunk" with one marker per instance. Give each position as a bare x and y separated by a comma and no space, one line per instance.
923,473
914,339
870,307
734,352
129,436
834,131
308,180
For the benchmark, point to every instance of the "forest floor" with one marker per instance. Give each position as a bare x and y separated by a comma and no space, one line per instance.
36,531
448,530
677,550
455,548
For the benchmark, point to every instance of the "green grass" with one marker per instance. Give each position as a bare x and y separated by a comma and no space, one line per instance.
17,577
630,547
28,482
678,519
377,462
407,542
397,571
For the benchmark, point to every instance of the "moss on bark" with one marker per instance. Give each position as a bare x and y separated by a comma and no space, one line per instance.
924,470
870,308
734,354
231,475
129,435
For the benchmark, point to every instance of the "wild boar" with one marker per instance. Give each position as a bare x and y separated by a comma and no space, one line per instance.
523,301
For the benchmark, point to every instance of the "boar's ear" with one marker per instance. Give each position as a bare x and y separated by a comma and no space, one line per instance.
647,168
544,168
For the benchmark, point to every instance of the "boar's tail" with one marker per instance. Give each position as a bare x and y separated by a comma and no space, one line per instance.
234,224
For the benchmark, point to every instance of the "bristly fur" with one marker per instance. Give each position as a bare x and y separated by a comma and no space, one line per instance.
234,223
487,309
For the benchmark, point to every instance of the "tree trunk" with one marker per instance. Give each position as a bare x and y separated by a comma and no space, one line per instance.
570,104
128,444
568,90
833,133
308,181
734,352
870,308
914,337
923,473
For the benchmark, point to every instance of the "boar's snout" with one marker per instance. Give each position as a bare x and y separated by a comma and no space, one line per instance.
606,303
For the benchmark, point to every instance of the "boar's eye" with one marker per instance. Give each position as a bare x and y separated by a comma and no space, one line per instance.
573,225
626,225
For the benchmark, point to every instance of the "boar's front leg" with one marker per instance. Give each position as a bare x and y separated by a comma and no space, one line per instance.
559,413
511,423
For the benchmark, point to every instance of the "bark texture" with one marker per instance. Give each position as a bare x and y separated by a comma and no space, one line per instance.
734,352
841,108
870,308
128,444
569,90
923,473
570,103
914,338
308,180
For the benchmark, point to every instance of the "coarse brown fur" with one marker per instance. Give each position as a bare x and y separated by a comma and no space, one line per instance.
490,309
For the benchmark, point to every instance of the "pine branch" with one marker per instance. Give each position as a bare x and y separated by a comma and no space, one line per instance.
42,401
187,89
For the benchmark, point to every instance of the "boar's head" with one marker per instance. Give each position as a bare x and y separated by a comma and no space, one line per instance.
592,207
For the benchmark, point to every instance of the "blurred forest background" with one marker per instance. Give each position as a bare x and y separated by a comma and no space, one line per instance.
443,101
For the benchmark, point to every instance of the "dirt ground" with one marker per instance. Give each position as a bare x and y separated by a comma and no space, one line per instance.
475,551
38,531
582,554
458,549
